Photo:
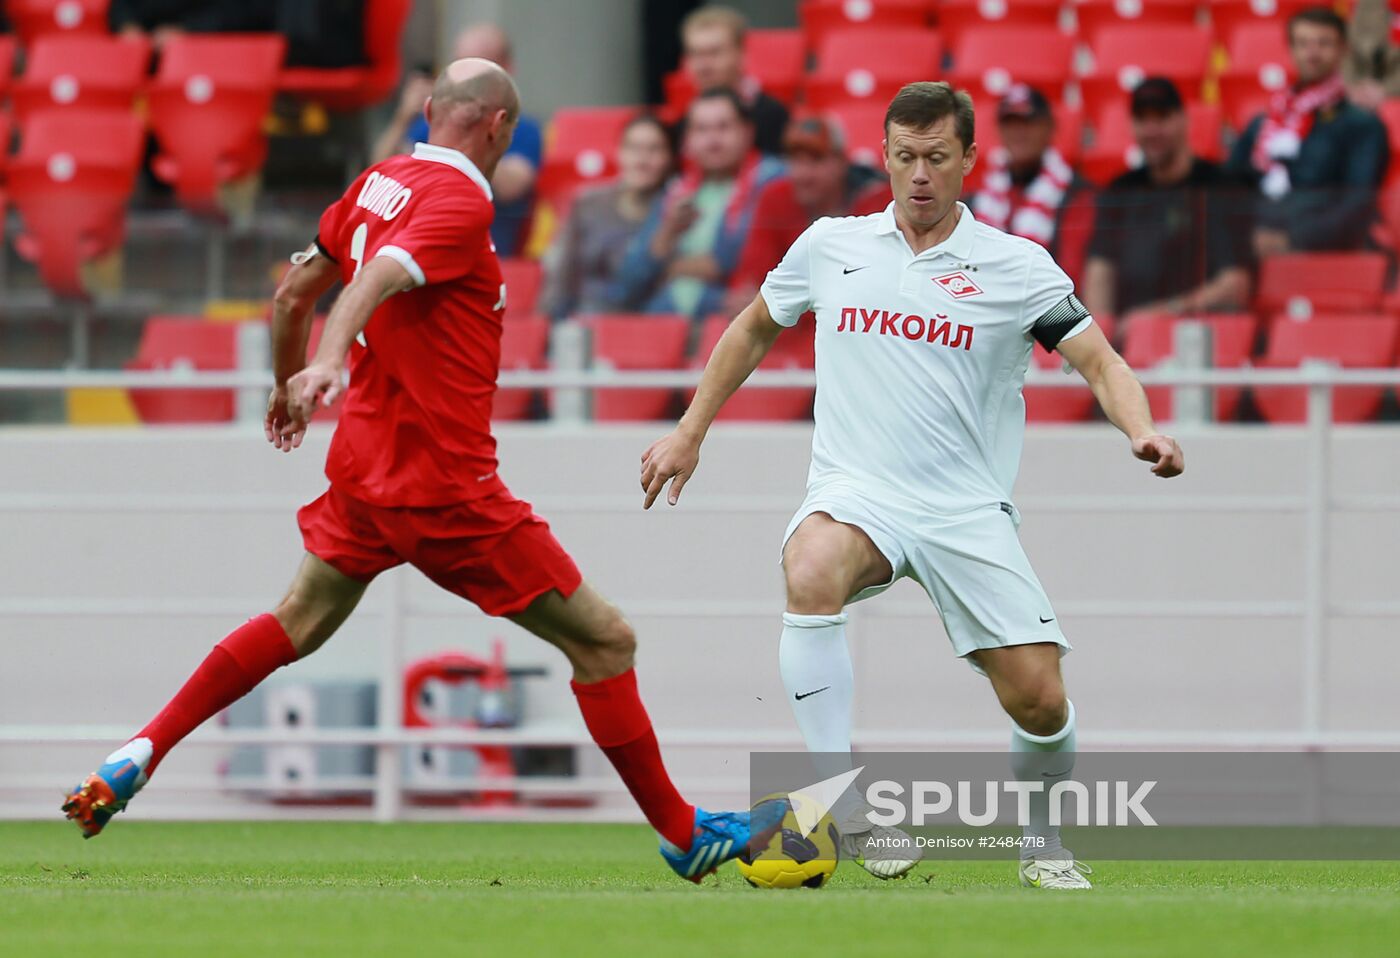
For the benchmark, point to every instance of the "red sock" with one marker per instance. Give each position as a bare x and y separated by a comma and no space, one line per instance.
244,658
618,722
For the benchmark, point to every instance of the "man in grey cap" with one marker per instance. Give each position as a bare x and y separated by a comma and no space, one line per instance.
1173,234
1030,190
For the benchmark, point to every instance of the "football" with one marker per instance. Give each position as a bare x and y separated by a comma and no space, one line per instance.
790,859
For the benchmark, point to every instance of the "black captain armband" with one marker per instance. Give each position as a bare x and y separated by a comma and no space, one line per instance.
311,252
325,252
1057,321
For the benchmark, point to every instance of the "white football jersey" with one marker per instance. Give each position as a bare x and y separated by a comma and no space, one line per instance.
921,359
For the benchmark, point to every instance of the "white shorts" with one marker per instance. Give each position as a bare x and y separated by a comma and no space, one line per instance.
971,564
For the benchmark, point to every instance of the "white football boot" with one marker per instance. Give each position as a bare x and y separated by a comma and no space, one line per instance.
882,850
1060,873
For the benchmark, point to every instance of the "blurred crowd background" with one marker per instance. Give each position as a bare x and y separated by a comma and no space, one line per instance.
1227,161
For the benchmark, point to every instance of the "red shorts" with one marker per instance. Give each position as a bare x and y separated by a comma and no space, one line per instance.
493,551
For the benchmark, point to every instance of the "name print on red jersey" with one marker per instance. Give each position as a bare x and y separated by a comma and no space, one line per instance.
383,196
936,328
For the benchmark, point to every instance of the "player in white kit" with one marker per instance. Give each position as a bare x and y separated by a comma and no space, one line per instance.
925,324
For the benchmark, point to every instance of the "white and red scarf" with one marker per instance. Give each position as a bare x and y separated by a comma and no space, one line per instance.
1034,216
1286,126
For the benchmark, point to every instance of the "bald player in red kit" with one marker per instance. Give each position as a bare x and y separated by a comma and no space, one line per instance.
412,466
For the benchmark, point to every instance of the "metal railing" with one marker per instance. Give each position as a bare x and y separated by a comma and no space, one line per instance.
394,607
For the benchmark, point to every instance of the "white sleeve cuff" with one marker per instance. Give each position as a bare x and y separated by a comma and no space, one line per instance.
405,259
1079,327
781,316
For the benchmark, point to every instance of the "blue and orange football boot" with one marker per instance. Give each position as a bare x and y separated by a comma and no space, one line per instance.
106,791
720,836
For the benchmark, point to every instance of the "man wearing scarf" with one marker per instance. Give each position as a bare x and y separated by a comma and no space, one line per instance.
1030,190
1316,159
681,259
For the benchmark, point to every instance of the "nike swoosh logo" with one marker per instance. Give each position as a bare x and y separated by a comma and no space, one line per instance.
802,695
1063,771
1043,620
852,269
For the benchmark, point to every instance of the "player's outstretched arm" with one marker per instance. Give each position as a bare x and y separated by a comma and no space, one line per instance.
1123,400
676,455
292,307
321,382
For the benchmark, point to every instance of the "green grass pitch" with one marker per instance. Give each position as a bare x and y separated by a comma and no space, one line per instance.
155,889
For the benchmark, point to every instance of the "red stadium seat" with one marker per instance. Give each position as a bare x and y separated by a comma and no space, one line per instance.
70,182
207,105
1304,283
523,278
353,88
637,342
81,71
524,345
1228,17
1149,342
1389,113
32,19
988,60
1115,148
776,59
7,61
1356,342
871,64
957,18
821,18
864,125
1096,16
1259,67
793,349
581,148
185,342
1125,55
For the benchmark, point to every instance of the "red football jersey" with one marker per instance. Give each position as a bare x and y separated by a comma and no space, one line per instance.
415,429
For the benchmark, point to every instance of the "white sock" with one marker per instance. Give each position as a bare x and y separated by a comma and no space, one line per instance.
139,750
1048,759
816,667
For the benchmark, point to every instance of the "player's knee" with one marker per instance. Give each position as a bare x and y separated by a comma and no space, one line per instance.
1040,708
608,649
814,586
618,637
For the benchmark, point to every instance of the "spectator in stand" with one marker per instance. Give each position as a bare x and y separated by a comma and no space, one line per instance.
821,181
1316,159
1372,68
1029,189
712,43
513,185
681,260
583,265
1170,235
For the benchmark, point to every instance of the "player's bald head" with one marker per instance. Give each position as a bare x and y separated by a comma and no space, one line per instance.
471,90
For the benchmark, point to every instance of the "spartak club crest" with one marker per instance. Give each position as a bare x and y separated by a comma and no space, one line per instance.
957,285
